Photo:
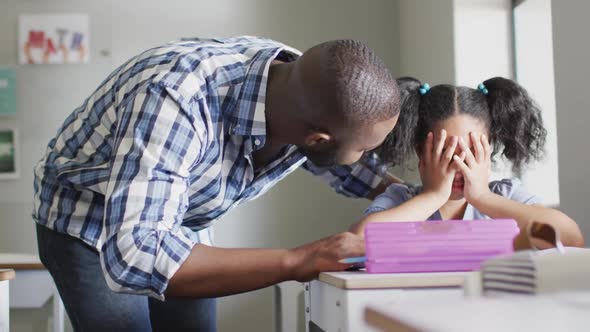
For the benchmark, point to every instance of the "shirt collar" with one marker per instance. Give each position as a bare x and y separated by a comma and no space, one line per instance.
249,118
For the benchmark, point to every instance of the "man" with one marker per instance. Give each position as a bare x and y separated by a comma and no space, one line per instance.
173,139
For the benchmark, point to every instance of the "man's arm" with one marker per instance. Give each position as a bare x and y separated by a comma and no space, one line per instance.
387,180
366,178
156,144
213,272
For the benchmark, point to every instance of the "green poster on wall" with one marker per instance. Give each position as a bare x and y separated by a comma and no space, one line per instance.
7,91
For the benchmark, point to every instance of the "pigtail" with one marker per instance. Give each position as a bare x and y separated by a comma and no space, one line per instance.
399,145
516,128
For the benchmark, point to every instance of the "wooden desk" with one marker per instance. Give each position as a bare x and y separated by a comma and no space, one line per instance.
336,301
5,276
33,286
546,313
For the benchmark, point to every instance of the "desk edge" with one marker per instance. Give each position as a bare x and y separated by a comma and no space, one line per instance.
383,322
23,266
7,274
409,282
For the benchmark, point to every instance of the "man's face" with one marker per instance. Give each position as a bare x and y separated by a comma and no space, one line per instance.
346,148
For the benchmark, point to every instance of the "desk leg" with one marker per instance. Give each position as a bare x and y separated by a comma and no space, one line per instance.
278,309
58,312
4,310
307,296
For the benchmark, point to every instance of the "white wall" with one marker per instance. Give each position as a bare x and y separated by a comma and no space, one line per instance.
483,42
298,210
425,50
571,54
534,70
483,48
426,40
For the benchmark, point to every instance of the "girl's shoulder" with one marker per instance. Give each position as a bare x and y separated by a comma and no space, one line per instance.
514,189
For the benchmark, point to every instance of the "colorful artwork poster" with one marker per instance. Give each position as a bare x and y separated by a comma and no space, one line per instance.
53,39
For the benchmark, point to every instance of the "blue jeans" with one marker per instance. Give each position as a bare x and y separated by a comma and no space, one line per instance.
93,306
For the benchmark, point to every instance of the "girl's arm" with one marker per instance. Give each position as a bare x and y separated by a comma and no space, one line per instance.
496,206
437,176
417,208
476,167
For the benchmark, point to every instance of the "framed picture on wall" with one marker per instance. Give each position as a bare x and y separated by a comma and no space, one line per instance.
53,39
9,154
7,91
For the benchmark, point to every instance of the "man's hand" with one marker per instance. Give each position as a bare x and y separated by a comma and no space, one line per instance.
307,261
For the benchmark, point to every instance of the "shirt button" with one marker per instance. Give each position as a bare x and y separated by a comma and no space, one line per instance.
257,142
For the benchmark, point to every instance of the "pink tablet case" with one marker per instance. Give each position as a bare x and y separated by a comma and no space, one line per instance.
436,246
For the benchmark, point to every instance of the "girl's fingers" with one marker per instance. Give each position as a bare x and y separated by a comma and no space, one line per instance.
461,158
427,151
469,158
461,166
477,146
486,146
449,152
440,145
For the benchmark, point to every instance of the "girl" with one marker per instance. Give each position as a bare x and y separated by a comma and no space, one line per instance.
456,132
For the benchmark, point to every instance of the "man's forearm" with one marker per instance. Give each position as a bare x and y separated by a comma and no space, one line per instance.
214,272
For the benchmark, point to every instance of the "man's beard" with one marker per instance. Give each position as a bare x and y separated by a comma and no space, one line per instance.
324,159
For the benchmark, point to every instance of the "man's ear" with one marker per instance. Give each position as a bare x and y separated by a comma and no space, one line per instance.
317,138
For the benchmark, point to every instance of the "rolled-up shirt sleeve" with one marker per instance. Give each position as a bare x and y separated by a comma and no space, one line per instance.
157,144
395,195
357,180
514,189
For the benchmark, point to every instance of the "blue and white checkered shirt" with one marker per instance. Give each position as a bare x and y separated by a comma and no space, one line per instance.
161,150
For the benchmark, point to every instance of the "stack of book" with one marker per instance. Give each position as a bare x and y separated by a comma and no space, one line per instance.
537,272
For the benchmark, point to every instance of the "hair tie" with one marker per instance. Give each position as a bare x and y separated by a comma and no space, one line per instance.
424,88
482,88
